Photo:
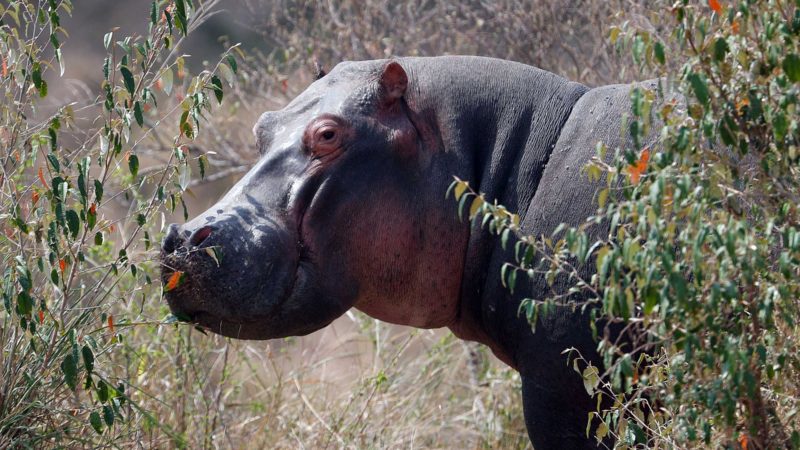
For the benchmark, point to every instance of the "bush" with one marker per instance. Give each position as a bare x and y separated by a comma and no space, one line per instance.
70,262
701,266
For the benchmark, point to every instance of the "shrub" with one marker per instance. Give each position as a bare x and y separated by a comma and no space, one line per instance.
69,261
702,261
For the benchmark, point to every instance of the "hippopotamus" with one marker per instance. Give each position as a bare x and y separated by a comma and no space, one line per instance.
346,208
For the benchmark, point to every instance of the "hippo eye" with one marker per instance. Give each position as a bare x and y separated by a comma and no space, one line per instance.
324,135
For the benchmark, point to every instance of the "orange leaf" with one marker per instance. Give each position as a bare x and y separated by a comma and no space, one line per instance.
636,170
111,228
41,177
41,316
735,26
111,323
714,4
743,441
62,265
174,281
34,197
5,67
741,104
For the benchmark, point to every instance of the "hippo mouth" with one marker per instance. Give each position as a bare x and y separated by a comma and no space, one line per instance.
206,313
211,293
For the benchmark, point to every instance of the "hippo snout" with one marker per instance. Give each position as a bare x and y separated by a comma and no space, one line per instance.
235,270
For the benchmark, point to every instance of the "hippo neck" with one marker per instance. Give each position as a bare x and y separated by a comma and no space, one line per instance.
500,121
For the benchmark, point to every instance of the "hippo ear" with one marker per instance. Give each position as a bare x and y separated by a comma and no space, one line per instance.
393,82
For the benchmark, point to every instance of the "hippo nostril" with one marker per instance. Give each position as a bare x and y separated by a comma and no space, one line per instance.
172,240
200,235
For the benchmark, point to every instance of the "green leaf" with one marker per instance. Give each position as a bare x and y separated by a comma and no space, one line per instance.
133,164
73,222
96,422
108,415
137,113
180,16
69,368
232,62
201,162
38,82
51,158
791,65
699,87
720,49
127,78
102,387
88,358
217,87
24,303
658,51
153,14
780,126
98,190
504,237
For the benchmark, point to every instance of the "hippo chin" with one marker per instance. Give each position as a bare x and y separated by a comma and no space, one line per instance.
346,208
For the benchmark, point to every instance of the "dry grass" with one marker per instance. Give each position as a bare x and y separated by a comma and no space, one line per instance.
359,383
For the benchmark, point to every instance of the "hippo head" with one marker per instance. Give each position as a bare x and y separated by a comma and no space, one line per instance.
345,208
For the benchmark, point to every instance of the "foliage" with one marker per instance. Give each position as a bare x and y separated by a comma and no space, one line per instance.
68,262
701,264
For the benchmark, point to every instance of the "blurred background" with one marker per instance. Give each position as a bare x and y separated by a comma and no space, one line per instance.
359,383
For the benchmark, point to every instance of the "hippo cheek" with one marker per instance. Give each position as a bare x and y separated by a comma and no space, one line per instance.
403,267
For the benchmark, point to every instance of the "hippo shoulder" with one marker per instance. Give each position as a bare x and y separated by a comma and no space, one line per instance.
565,195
